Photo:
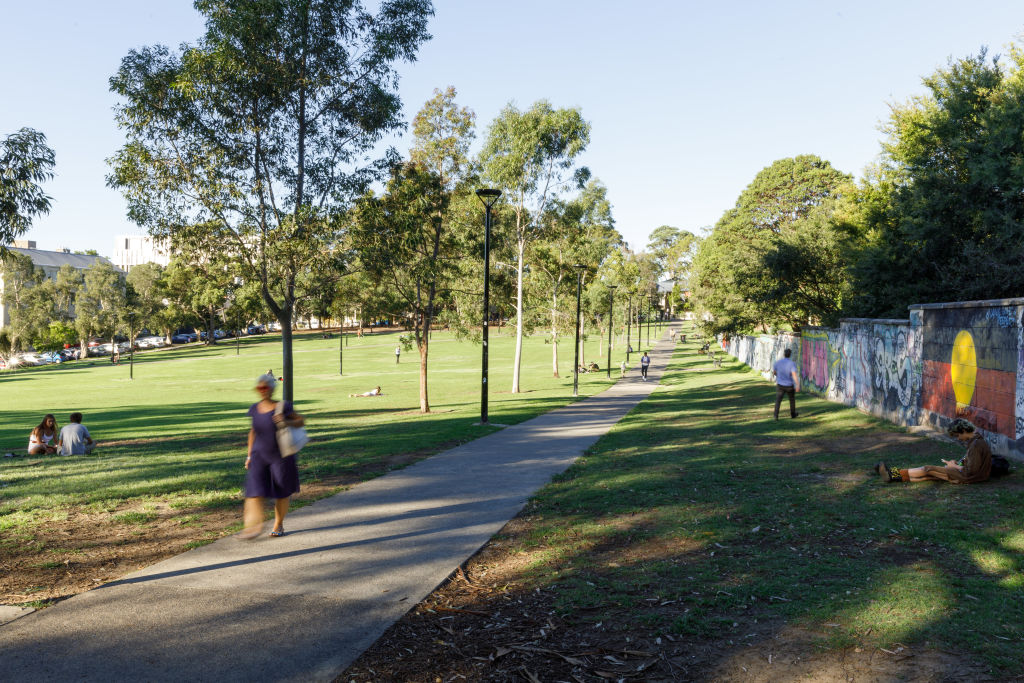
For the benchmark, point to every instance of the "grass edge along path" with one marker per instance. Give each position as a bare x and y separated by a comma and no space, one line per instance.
699,530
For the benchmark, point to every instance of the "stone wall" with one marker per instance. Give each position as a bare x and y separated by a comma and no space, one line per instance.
952,360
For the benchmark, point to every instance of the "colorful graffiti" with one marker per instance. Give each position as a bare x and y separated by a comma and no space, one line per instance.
946,361
970,366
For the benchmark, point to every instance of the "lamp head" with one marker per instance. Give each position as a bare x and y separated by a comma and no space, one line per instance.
488,196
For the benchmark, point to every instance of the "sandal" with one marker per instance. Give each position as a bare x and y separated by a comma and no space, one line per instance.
277,532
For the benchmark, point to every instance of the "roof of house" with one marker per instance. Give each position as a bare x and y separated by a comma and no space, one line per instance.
56,259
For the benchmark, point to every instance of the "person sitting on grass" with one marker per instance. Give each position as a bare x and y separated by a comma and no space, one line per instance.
40,438
74,438
371,392
974,467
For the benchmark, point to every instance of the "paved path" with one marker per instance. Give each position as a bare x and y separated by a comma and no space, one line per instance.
304,606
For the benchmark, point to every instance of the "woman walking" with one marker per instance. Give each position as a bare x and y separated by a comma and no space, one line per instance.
40,438
269,475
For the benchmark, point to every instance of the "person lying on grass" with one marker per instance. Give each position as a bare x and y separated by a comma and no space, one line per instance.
975,466
371,392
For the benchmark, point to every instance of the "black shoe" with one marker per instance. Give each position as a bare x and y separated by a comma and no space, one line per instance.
888,474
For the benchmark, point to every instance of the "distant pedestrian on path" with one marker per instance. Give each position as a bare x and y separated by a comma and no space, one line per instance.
622,369
398,353
645,362
787,381
974,467
268,474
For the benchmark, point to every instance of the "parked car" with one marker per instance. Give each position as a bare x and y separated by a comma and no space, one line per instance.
31,359
180,338
255,329
53,357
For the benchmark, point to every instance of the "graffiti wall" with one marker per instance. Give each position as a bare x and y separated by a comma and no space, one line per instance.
946,361
972,364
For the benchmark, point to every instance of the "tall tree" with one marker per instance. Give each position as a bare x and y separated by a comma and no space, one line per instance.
531,155
257,135
100,305
25,162
731,280
19,277
580,231
944,213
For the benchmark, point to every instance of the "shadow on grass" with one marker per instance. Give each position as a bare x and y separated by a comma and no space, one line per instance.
700,500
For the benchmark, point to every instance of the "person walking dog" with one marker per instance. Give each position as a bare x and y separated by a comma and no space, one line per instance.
787,382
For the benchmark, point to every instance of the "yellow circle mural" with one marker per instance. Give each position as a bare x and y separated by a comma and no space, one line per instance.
963,368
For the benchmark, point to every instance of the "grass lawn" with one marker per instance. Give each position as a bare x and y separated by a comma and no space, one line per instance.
700,537
168,472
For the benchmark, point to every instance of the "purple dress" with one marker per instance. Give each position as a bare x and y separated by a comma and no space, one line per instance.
269,475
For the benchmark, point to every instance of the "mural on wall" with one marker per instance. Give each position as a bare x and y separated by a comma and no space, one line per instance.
970,364
948,360
1020,373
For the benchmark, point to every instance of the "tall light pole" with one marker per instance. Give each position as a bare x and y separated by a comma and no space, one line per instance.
131,346
488,196
629,319
649,307
576,359
611,300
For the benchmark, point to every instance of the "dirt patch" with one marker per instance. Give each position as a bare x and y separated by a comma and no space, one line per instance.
487,623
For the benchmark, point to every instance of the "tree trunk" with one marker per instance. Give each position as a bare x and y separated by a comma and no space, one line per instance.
519,318
285,319
424,343
554,335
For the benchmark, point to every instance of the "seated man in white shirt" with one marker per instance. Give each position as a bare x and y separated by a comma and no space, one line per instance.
74,438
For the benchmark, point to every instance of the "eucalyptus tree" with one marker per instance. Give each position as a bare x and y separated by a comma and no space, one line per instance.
259,133
577,232
25,162
20,277
531,156
100,307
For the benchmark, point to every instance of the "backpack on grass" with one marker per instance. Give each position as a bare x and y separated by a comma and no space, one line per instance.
1000,466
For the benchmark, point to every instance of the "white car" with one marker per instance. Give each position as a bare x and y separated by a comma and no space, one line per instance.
31,359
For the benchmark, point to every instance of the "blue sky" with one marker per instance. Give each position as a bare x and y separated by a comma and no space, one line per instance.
688,100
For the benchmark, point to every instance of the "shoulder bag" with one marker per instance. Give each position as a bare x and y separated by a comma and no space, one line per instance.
290,440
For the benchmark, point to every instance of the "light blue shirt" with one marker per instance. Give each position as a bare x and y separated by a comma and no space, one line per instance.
784,369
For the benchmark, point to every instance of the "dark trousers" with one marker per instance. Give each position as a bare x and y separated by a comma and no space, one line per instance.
779,392
643,370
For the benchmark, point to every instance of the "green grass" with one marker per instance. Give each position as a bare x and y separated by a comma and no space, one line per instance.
176,434
700,515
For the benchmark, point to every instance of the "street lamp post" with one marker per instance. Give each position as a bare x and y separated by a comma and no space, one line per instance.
341,346
629,320
576,358
649,306
131,346
488,196
611,300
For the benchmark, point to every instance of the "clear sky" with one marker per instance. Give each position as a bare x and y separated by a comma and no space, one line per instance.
688,100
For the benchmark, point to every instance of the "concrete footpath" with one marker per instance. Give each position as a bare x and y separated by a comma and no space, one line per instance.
304,606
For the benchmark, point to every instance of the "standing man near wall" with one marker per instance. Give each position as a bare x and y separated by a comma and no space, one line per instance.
787,381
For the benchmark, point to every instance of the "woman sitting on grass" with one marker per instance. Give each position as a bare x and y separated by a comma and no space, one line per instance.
975,466
40,438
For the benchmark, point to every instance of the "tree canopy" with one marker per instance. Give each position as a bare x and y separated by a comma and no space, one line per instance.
25,162
259,134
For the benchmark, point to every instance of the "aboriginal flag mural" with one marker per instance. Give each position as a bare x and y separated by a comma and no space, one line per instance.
969,365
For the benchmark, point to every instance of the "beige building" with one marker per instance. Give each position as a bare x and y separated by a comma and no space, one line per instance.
49,261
